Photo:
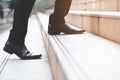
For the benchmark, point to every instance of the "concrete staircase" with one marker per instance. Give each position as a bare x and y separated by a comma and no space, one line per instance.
81,56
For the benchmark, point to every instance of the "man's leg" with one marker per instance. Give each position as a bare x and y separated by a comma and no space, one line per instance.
57,21
60,11
22,12
15,43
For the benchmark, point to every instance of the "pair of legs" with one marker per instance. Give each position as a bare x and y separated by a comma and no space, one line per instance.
15,42
23,9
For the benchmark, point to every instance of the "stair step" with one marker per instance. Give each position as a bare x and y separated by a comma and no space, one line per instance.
110,14
102,23
12,68
81,56
4,57
3,61
96,5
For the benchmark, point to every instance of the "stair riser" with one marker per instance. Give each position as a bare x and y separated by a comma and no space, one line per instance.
56,69
96,5
107,27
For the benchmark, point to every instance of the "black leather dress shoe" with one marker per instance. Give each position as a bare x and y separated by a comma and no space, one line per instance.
56,29
20,50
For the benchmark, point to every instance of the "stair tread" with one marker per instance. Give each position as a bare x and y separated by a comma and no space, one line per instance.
85,56
16,69
96,13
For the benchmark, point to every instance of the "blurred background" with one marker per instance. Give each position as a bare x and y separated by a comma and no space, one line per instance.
7,8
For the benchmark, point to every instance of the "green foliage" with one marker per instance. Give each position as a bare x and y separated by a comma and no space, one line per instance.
41,5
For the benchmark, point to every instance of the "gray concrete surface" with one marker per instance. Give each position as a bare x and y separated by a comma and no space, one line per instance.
82,56
16,69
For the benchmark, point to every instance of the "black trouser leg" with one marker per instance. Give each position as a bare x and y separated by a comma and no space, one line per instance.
1,15
61,10
22,12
